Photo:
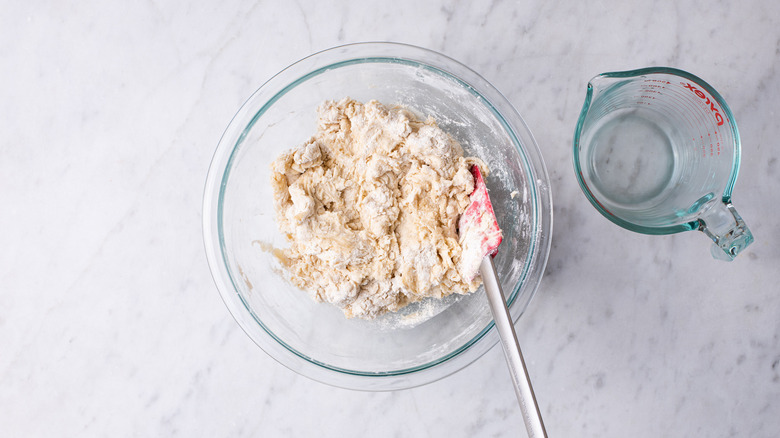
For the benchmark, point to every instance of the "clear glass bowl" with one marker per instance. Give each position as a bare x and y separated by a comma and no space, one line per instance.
427,340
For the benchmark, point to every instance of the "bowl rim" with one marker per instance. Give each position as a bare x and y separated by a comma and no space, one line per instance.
264,97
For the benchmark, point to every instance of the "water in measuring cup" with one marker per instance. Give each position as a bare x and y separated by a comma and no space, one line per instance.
631,158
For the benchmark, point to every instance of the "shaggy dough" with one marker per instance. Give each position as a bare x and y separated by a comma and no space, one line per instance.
370,206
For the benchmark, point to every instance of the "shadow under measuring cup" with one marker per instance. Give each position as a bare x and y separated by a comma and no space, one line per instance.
657,151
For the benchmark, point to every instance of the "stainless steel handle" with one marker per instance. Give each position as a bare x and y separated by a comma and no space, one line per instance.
514,357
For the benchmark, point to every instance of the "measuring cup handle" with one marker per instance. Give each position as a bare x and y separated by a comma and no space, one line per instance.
721,223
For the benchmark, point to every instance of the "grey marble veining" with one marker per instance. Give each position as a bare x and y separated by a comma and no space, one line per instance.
110,323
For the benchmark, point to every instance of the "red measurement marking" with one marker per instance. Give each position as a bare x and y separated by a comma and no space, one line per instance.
701,95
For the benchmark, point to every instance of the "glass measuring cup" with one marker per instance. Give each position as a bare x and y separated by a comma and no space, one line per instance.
657,151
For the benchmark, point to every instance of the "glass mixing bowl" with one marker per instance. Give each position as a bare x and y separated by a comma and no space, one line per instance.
427,340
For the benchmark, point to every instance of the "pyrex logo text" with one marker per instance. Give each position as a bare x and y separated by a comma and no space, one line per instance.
718,116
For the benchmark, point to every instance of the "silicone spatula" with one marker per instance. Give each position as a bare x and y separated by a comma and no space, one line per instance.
480,237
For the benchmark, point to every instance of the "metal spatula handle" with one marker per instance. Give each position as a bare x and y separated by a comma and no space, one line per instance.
514,357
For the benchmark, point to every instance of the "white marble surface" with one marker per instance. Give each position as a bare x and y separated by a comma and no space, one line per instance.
110,324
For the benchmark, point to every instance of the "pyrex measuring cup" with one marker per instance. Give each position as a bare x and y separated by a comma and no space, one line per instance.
656,151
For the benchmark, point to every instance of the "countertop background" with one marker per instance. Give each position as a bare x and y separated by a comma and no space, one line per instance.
110,324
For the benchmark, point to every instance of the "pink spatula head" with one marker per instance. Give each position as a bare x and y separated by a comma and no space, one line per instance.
478,228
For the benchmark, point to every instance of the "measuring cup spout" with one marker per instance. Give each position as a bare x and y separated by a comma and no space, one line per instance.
594,89
721,223
599,83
